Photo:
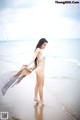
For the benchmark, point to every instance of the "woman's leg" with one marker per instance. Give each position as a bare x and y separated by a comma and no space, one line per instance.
40,79
36,89
41,84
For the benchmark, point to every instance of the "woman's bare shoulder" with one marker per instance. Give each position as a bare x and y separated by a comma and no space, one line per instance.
38,50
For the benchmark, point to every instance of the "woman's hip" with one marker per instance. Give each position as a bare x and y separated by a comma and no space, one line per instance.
39,70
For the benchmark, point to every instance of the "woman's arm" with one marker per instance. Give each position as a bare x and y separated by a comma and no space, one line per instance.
36,53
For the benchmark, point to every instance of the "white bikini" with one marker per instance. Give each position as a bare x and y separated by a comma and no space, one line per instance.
41,58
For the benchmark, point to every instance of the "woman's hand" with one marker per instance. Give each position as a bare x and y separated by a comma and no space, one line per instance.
25,65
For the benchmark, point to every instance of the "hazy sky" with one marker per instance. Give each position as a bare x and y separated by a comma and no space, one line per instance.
33,19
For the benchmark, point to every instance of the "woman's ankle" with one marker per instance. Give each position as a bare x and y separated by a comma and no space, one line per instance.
41,103
35,99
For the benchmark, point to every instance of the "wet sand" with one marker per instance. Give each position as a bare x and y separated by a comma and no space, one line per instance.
18,101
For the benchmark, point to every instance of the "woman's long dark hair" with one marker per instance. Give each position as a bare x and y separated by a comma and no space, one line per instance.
39,44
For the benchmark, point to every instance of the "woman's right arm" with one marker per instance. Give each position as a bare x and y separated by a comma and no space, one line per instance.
36,53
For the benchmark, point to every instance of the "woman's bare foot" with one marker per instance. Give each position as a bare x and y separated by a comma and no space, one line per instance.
36,100
41,103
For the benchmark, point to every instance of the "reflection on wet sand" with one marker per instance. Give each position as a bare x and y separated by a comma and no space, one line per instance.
14,118
38,112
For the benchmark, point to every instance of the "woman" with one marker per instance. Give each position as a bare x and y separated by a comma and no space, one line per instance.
39,64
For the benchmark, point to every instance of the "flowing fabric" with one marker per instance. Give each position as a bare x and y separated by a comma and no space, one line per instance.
12,78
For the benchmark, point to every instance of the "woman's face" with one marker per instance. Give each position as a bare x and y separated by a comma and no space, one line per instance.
43,45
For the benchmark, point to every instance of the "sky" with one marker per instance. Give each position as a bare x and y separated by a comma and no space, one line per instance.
33,19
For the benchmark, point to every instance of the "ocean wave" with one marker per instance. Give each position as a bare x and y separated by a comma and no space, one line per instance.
72,60
60,77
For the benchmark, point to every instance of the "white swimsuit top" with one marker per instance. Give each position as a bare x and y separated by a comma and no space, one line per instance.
42,58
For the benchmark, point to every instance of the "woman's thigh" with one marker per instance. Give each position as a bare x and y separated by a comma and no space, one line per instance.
40,75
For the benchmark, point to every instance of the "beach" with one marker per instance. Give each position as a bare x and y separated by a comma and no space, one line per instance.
61,87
